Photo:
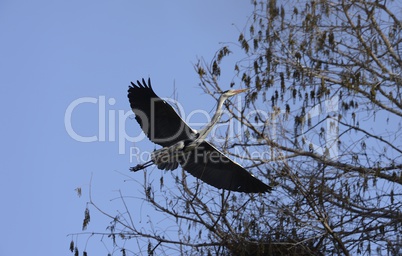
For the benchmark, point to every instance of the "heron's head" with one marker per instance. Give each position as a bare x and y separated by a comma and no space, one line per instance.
230,93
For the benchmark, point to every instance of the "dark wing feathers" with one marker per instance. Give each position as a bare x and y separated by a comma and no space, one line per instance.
164,126
211,166
157,118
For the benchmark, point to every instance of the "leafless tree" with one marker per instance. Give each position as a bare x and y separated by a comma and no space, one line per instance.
321,123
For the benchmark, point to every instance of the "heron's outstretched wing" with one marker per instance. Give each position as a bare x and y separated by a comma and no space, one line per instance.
157,118
211,166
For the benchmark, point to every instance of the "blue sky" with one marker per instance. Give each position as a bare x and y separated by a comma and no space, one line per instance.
55,52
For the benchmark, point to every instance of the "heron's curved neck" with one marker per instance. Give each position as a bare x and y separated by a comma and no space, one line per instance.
218,113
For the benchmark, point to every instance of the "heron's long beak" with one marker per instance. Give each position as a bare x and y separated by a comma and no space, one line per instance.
240,91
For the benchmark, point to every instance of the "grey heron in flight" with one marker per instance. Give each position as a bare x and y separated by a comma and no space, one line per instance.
185,146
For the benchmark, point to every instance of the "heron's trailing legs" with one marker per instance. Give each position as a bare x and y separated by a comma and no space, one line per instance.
141,166
164,158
